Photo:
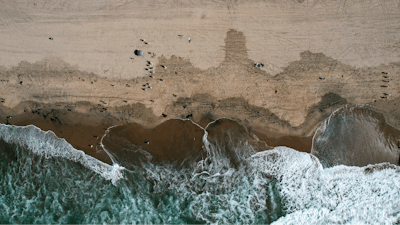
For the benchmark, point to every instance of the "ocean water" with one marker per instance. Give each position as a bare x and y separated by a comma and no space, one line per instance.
45,180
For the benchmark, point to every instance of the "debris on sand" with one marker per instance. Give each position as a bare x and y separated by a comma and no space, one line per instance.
139,52
189,40
180,35
321,78
50,38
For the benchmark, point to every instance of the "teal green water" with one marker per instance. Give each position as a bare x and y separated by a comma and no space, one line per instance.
43,179
36,189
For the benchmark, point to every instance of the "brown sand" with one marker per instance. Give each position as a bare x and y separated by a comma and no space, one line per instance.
171,140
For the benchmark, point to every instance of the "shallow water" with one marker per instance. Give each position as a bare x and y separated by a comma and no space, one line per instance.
229,180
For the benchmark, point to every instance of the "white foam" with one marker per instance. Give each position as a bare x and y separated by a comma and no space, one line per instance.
338,195
47,144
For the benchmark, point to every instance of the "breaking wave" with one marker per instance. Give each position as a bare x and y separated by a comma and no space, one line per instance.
231,178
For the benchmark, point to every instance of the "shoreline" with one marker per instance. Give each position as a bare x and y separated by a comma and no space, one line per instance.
84,131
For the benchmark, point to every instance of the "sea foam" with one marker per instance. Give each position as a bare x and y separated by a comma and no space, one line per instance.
337,195
47,144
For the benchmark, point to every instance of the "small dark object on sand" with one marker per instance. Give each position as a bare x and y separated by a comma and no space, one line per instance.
139,52
321,78
160,79
174,95
164,115
50,38
125,101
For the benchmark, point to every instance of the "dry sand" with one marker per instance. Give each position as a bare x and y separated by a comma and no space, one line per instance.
318,55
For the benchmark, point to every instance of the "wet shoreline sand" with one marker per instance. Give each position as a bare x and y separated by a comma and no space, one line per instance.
179,136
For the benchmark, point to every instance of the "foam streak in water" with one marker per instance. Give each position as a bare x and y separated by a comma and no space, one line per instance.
47,144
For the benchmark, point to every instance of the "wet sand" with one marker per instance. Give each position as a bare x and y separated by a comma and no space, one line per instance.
172,140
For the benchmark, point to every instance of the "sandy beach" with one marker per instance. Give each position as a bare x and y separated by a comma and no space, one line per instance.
278,68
